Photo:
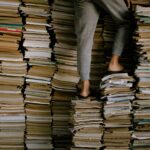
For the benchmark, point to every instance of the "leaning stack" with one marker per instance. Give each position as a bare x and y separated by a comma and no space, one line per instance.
87,121
66,77
141,134
36,14
12,72
117,90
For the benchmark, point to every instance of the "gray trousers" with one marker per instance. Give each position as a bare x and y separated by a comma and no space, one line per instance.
87,13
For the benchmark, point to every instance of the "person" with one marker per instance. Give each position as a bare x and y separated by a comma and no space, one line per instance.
87,13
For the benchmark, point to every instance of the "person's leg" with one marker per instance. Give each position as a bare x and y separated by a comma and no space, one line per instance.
120,13
86,17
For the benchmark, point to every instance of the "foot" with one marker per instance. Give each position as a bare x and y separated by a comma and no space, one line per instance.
115,67
114,64
85,88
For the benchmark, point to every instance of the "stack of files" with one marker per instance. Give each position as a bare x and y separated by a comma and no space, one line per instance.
38,53
109,31
65,79
98,64
117,91
12,117
12,72
141,104
11,57
87,124
38,108
65,47
141,133
10,18
62,136
36,36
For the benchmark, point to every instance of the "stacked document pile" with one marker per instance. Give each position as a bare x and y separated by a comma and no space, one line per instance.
87,124
65,48
61,115
141,134
66,77
12,72
117,90
36,36
40,72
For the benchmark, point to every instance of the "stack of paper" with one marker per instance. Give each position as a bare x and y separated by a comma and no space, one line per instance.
36,14
87,124
65,48
61,115
11,57
141,105
36,36
117,90
12,72
66,77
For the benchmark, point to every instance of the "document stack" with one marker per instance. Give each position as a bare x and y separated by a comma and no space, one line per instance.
117,91
65,48
87,124
141,104
40,72
66,77
61,116
35,35
12,72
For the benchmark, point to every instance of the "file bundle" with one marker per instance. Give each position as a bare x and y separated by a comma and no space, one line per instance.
118,95
141,104
38,53
12,73
87,124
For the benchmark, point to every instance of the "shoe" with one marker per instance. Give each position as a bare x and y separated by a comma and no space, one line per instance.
82,97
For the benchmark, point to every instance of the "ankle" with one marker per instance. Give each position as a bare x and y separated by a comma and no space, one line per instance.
114,64
85,90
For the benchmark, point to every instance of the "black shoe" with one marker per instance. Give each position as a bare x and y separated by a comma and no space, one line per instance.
82,97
